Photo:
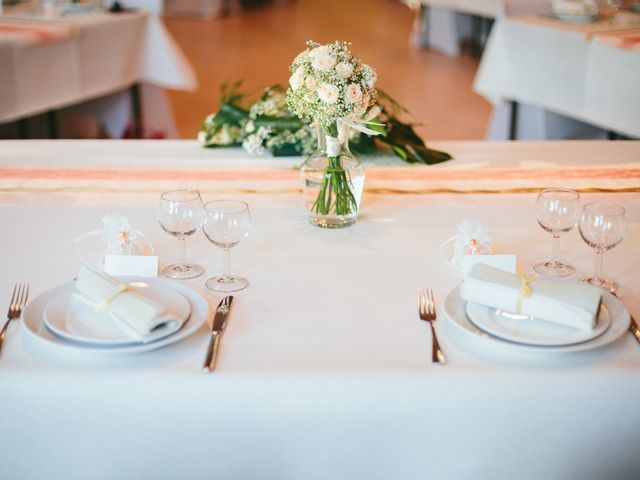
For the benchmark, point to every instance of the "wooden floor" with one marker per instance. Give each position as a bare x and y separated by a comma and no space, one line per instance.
259,45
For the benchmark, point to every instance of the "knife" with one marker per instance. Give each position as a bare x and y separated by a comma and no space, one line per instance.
633,328
219,322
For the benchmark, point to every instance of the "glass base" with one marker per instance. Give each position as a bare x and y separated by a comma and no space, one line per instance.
608,285
554,269
223,283
182,271
332,221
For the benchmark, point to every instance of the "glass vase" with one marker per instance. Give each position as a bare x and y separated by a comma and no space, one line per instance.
332,181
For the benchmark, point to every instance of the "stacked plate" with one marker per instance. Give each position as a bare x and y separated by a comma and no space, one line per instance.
529,334
54,317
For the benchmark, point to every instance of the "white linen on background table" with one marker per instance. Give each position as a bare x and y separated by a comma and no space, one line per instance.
110,53
563,70
324,369
447,23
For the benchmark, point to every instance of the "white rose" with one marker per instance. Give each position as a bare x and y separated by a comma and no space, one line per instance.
370,76
354,93
323,62
328,93
310,83
364,102
344,69
202,136
300,56
321,50
209,118
297,79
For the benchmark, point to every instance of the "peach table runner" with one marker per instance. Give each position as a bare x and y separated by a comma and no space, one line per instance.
93,171
29,32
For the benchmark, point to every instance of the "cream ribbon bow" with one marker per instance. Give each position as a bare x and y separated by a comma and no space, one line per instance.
525,290
118,290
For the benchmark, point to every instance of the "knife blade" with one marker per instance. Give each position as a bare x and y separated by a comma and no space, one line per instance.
633,328
217,327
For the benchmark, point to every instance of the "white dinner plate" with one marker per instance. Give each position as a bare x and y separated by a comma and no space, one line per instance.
528,331
455,310
575,18
76,321
32,318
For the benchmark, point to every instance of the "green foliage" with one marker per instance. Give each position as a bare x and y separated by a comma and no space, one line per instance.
269,125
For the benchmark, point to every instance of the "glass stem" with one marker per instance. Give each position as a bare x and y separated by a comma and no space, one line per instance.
599,262
227,263
555,249
183,251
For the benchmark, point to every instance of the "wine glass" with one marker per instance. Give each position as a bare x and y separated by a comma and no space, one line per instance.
180,214
602,226
226,224
557,211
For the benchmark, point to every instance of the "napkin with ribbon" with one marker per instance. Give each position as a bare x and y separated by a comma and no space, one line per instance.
567,303
140,317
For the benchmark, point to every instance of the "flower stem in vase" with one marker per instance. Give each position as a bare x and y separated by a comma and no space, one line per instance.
336,191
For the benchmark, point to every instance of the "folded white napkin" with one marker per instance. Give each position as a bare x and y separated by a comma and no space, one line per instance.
568,303
140,317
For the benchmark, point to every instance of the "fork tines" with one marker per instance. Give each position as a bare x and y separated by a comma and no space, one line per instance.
19,297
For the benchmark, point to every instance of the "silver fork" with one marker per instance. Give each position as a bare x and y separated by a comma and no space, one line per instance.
427,311
18,301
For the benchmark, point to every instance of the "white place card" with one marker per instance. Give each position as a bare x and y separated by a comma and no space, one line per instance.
138,265
503,262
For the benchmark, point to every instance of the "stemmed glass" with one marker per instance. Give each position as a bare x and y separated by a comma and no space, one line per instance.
226,224
557,211
180,214
602,226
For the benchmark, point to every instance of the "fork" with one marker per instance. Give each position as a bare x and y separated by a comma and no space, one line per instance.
18,301
427,311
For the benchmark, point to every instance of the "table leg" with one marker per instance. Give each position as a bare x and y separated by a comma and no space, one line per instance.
513,121
476,36
136,106
52,124
23,128
420,31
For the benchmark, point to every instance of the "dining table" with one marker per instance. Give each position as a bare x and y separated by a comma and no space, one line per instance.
444,24
324,369
567,79
93,58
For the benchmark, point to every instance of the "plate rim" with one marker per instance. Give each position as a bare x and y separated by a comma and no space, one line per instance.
200,308
533,342
619,326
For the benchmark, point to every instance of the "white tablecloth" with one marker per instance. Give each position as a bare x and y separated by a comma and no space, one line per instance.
102,54
564,69
324,370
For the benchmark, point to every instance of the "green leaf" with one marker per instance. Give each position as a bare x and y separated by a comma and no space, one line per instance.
282,123
230,114
287,150
405,143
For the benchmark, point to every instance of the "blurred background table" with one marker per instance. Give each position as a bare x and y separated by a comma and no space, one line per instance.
444,24
554,70
88,56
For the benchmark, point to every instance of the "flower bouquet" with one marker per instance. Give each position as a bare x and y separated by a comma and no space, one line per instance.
267,125
334,90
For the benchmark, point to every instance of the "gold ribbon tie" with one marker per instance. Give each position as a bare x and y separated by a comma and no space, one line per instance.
525,290
118,290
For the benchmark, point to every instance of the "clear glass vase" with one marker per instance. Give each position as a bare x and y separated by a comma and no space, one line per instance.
332,182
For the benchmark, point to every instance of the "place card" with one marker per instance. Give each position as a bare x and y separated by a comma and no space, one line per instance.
503,262
138,265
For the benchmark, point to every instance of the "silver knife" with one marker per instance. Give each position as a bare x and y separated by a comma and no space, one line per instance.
219,322
633,328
